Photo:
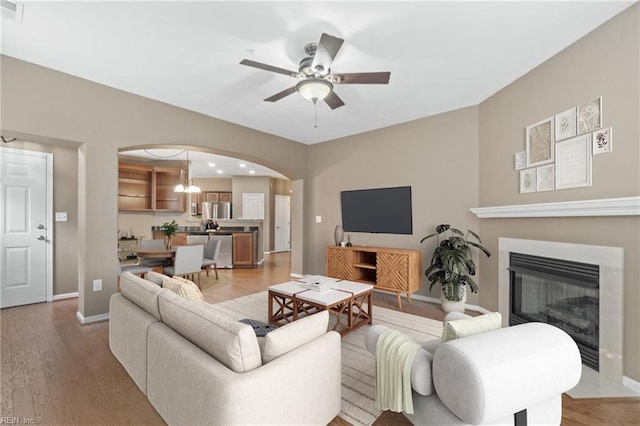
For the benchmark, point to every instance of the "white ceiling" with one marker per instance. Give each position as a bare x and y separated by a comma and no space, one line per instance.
441,55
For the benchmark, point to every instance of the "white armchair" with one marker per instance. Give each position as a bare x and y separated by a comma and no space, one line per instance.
514,375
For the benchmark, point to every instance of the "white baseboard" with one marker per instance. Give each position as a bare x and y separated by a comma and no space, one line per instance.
65,296
94,318
631,384
437,301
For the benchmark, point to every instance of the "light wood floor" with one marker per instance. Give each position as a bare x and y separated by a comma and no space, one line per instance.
56,371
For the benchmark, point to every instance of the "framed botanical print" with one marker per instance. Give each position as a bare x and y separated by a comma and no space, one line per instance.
602,141
527,181
565,124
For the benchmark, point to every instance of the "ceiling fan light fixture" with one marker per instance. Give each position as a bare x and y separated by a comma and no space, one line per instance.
314,89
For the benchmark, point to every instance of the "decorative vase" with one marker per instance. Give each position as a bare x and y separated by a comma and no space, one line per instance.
167,243
338,234
449,306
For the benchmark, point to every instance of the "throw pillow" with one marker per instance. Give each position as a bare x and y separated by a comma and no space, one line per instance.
155,277
288,337
470,326
183,288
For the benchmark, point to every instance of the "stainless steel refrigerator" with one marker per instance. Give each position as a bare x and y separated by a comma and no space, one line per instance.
216,211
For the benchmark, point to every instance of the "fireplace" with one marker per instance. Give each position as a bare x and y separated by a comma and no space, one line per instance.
558,292
610,263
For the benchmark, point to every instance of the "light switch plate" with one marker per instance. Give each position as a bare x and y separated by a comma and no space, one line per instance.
318,219
61,217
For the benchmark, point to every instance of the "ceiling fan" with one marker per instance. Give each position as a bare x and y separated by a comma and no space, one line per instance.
316,80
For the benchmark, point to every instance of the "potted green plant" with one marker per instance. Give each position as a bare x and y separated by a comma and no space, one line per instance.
169,229
452,265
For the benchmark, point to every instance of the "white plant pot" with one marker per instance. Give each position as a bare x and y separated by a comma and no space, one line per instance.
449,306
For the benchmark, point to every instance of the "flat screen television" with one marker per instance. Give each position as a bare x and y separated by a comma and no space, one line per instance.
380,210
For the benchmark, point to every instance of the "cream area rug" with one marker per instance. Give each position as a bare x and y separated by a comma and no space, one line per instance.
358,365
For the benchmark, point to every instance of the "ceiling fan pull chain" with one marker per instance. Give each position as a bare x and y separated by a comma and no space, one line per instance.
315,115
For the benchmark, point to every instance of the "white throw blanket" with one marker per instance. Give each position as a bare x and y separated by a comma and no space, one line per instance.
394,357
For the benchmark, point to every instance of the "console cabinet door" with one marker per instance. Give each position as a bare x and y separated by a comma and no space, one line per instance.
393,271
340,263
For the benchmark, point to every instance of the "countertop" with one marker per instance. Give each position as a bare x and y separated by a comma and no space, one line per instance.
227,230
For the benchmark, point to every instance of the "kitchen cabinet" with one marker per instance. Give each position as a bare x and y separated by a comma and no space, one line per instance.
149,188
134,187
244,246
207,197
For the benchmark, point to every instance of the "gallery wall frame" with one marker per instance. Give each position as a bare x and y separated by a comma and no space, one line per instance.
545,178
602,141
527,181
539,145
565,124
589,116
573,162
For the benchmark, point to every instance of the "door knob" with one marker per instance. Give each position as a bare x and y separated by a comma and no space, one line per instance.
40,237
41,226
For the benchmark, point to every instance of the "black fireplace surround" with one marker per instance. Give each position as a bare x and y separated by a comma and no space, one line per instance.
557,292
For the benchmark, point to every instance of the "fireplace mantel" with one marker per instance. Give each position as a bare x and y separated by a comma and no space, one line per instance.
628,206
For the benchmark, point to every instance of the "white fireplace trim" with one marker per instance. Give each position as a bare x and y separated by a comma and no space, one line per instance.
611,262
629,206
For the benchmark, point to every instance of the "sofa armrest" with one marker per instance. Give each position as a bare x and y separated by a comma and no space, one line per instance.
187,386
491,375
421,377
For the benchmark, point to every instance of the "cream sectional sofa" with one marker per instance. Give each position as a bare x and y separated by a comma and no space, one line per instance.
197,366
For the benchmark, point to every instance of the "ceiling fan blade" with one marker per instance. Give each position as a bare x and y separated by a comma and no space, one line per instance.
260,65
333,100
326,52
280,95
364,78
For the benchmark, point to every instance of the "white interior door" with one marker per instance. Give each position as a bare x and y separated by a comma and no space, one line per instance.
25,226
252,206
283,223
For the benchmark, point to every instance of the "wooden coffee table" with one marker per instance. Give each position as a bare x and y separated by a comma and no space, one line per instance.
348,301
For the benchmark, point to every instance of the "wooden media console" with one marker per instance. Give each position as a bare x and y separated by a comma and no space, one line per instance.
388,269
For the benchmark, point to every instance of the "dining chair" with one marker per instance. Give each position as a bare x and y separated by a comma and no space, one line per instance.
187,263
133,268
149,244
211,252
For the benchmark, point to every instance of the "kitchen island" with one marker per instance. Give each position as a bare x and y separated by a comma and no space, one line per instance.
240,244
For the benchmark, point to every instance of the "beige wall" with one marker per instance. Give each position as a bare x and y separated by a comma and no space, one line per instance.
437,156
65,199
40,104
604,63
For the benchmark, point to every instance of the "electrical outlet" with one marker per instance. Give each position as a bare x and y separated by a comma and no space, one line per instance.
97,285
318,219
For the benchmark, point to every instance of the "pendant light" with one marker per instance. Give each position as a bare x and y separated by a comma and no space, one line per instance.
191,186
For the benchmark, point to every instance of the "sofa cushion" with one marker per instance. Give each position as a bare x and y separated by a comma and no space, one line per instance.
232,343
293,335
469,326
141,292
183,288
155,277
